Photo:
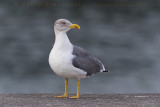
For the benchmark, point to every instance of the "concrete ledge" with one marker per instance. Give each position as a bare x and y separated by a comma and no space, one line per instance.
92,100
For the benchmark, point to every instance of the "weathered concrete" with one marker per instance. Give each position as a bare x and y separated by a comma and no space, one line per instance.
108,100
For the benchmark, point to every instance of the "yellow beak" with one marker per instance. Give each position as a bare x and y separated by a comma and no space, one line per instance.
74,26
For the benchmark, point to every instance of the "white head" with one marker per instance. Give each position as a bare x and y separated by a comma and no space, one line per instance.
63,25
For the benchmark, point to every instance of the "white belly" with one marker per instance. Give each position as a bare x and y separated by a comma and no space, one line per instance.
61,64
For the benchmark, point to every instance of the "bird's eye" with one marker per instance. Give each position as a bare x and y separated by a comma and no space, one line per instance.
63,23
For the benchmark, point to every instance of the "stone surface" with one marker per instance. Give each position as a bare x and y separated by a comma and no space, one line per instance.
92,100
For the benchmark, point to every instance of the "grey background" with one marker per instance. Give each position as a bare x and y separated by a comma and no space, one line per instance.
124,35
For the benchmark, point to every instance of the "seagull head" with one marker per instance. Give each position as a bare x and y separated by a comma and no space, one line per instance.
63,25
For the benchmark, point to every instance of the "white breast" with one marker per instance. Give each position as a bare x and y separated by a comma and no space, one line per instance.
60,59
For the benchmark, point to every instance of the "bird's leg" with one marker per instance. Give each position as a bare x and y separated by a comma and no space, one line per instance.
66,85
77,96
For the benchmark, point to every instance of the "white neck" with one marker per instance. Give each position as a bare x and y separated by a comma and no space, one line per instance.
62,41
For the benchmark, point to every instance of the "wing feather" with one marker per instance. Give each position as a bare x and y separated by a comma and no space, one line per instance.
84,61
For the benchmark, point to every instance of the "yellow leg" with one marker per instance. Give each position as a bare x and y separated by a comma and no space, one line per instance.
77,96
66,85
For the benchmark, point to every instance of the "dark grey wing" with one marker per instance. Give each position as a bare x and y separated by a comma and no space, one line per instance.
84,61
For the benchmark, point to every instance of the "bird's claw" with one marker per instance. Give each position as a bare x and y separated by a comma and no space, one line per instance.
61,96
77,96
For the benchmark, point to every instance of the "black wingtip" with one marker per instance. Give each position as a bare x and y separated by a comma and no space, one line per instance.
106,70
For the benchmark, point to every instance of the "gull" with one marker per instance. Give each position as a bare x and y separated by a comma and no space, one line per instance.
70,61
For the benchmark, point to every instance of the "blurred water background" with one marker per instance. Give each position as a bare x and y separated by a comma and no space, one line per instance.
124,35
